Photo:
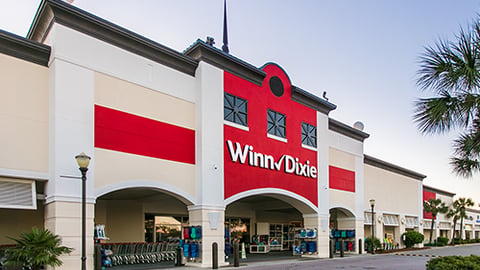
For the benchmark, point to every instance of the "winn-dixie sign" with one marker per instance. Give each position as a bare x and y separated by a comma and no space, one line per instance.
288,163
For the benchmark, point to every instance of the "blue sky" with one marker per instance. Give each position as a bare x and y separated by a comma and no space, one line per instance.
364,53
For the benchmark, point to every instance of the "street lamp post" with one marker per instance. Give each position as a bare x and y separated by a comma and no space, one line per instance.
372,205
83,160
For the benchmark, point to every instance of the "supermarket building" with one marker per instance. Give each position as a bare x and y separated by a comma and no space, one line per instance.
198,139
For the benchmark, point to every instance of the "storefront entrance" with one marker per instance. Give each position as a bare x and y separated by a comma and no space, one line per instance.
141,225
342,228
267,225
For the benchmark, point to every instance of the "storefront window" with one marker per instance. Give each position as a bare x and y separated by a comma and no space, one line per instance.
309,135
235,109
276,124
239,229
163,228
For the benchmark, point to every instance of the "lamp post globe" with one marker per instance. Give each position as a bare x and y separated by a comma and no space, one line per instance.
83,161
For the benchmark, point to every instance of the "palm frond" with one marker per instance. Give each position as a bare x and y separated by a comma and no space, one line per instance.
451,67
465,167
439,114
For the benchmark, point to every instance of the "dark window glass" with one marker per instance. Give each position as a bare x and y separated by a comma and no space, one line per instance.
276,86
309,135
276,124
235,109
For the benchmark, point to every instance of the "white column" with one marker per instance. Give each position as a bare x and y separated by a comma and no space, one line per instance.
322,164
319,222
359,200
71,131
209,168
212,221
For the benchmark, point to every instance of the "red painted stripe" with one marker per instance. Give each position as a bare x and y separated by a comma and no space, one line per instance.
129,133
427,195
342,179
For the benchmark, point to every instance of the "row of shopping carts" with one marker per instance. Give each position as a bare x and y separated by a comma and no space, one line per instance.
140,253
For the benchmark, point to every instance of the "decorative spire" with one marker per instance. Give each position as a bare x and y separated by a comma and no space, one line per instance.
225,30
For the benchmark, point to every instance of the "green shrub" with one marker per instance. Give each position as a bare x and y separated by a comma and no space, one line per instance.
458,241
471,262
442,241
36,249
411,238
368,243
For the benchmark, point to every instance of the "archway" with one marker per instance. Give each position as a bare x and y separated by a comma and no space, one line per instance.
342,229
267,222
137,214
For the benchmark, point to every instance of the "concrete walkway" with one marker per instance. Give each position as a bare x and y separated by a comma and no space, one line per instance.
277,261
458,250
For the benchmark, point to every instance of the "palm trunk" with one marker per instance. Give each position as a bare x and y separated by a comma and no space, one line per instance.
431,230
454,231
461,227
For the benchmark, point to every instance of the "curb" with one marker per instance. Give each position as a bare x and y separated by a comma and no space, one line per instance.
418,255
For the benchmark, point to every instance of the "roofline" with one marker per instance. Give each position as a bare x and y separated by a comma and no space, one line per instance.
473,210
310,100
58,11
28,50
346,130
201,51
440,191
392,167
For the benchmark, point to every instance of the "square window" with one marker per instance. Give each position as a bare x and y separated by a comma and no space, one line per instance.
235,109
276,124
309,135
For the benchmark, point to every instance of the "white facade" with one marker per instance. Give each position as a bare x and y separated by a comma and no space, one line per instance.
103,90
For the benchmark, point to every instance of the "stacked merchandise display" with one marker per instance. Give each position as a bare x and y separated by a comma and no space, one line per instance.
260,244
287,237
281,236
192,236
305,242
275,240
347,235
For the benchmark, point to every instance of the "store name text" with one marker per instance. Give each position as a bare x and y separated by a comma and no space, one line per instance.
289,163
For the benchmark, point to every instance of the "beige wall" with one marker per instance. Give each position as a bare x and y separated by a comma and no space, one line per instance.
124,221
343,199
448,200
115,167
23,115
15,221
131,98
393,193
345,161
341,159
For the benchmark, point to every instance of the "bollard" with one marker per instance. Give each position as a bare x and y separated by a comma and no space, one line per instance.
332,247
359,246
214,255
179,256
236,255
342,247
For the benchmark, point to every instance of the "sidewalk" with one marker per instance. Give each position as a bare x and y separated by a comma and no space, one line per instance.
253,260
457,250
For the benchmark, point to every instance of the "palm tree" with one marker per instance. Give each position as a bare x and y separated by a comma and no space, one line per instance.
451,70
453,213
461,204
36,249
434,207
